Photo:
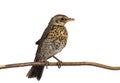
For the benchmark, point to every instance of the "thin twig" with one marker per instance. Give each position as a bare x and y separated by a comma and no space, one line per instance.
63,64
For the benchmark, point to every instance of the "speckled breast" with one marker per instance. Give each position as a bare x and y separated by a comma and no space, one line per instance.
55,41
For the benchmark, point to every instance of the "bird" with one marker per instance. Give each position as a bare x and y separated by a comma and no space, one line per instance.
52,41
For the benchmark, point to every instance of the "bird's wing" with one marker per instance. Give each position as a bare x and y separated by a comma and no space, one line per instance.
40,41
45,33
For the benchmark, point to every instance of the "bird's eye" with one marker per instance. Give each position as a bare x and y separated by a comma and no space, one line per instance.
62,19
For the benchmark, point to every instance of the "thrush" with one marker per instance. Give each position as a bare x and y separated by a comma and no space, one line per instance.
52,42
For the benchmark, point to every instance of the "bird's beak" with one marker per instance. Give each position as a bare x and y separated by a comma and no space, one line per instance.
71,19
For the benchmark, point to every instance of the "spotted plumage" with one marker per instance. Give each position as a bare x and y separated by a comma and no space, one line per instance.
52,42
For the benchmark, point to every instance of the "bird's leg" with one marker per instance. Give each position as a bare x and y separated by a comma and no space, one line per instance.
56,59
59,62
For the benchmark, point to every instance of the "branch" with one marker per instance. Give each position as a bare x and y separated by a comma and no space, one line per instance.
63,64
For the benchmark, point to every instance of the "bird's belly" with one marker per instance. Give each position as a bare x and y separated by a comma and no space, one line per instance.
50,48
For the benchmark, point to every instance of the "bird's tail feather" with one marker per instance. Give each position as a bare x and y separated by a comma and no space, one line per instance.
36,71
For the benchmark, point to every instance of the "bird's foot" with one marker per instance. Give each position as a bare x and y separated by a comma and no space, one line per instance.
59,64
46,64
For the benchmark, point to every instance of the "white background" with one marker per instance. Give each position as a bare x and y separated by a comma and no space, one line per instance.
93,36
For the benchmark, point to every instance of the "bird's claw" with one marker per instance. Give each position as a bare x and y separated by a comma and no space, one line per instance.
59,64
46,64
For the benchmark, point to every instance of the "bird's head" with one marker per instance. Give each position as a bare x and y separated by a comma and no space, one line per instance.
60,20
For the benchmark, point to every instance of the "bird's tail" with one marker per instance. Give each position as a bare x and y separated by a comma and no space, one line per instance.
36,71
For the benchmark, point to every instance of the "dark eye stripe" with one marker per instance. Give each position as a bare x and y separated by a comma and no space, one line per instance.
56,21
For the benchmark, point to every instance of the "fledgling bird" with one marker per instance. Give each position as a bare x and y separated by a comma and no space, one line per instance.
52,42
